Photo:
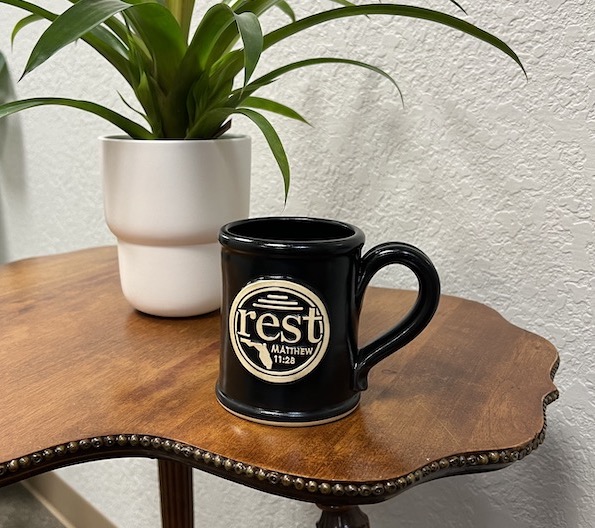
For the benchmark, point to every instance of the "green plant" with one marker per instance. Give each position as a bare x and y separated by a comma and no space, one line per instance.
189,85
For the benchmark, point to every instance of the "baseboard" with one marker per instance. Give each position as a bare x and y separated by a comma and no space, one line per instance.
64,503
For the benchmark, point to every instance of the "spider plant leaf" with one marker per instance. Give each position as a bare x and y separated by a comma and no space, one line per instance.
233,62
458,6
31,8
108,44
118,28
198,98
287,9
209,122
251,34
182,12
274,74
74,23
21,24
273,141
105,44
258,7
129,105
390,9
114,24
231,35
193,66
216,20
214,120
48,15
272,106
146,94
162,36
238,95
344,3
129,127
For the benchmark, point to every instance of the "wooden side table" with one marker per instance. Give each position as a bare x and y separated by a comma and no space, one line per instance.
85,377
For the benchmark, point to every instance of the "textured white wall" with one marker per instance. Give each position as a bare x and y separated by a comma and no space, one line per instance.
491,175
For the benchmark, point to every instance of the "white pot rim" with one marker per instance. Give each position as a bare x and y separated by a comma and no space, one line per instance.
124,137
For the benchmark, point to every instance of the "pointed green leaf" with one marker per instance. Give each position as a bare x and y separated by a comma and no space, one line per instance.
233,64
287,9
216,20
161,35
273,106
129,105
230,37
344,3
459,6
272,75
273,141
129,127
209,123
214,120
251,33
390,9
109,45
118,28
238,95
194,64
146,94
198,98
23,23
31,8
258,7
182,11
102,41
75,22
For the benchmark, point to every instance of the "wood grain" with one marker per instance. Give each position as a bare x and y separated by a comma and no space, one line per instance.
78,363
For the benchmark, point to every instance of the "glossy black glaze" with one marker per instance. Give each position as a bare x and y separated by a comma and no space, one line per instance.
322,258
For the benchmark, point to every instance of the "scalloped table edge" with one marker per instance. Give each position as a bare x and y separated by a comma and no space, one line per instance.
292,486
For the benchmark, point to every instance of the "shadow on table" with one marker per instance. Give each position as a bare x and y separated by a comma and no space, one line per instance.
12,157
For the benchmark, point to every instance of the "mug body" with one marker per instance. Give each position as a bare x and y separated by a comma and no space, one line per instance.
289,319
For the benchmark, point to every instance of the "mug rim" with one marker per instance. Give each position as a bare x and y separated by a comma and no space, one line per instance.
334,244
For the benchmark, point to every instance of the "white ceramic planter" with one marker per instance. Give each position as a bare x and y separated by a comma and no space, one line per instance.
165,201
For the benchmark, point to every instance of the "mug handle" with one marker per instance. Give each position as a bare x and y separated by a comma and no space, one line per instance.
414,322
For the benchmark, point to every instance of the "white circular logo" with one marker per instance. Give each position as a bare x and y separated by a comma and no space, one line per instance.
279,330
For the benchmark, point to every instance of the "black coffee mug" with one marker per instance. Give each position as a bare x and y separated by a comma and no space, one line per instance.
292,294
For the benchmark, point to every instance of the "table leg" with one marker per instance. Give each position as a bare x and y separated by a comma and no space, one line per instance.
175,485
342,517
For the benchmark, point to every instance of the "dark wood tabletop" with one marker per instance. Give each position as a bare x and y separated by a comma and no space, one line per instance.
84,376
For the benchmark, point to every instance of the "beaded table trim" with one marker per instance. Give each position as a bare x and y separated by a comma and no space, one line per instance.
322,492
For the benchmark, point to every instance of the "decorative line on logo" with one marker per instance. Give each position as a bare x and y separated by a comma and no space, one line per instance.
278,307
277,302
273,299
